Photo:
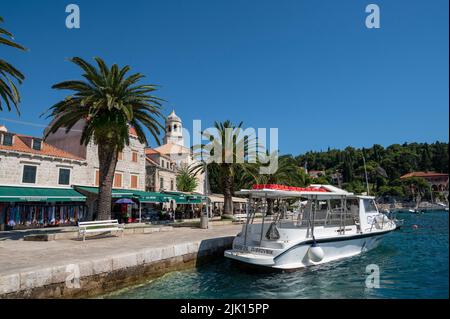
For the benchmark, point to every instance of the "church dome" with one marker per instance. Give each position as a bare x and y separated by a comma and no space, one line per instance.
173,117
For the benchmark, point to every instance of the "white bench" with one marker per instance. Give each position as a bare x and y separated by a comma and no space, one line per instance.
99,226
240,217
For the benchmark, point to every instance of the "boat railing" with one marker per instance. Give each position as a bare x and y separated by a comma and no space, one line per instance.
335,217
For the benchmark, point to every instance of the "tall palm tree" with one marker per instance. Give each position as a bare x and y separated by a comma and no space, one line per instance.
8,74
109,102
230,144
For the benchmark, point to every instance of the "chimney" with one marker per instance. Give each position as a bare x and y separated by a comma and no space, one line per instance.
3,129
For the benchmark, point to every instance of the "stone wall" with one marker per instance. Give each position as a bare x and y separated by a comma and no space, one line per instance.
105,275
11,169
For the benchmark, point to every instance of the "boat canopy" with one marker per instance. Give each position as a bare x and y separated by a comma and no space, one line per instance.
39,194
318,191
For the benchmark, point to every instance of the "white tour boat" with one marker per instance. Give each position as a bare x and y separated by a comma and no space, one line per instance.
330,224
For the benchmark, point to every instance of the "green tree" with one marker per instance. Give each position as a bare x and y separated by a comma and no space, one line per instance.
186,180
425,159
9,93
440,157
416,187
287,173
223,154
109,102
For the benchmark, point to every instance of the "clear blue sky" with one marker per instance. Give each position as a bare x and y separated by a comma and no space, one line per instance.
310,68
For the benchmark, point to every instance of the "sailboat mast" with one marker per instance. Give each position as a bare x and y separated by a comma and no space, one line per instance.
365,172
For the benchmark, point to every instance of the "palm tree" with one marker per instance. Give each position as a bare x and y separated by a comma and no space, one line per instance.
230,145
186,180
8,90
110,102
287,173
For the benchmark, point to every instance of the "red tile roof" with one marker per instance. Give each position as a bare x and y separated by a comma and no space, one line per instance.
132,131
151,151
170,148
424,174
22,143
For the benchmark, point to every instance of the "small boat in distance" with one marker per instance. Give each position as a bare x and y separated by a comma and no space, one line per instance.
333,224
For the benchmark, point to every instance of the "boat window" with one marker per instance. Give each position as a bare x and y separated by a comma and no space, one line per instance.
353,207
369,206
328,213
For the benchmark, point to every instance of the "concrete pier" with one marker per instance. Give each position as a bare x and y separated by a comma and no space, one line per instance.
70,268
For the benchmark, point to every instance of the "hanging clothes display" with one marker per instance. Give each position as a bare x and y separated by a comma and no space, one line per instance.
39,215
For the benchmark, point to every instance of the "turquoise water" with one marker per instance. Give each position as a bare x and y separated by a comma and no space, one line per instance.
413,263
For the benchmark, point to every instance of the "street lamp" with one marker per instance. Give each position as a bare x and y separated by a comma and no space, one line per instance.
204,219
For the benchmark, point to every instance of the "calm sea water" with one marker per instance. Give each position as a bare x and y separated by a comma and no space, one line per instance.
413,263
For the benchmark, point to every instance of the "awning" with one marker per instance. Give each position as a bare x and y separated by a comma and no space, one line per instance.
39,194
150,197
142,196
219,198
185,198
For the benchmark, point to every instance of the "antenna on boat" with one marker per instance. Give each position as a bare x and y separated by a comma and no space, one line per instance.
365,172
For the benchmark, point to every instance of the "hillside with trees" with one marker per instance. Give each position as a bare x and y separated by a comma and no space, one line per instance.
345,168
384,165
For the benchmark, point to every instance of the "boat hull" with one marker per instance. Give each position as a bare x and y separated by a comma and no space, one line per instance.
298,256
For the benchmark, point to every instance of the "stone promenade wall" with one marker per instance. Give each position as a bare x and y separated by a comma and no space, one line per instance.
89,278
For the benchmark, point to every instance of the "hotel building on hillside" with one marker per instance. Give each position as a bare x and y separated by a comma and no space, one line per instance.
437,181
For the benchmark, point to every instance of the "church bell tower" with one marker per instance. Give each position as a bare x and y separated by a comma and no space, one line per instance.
174,130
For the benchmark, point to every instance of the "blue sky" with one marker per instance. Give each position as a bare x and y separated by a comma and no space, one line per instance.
310,68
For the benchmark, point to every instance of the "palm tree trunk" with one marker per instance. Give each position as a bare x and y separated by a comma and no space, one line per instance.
107,156
269,206
227,184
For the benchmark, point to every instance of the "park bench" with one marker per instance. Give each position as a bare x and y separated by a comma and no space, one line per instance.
99,226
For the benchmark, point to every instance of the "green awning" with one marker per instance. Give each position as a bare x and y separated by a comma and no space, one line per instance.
39,194
150,197
183,198
142,196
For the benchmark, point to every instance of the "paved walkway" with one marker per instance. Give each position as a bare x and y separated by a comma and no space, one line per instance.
18,256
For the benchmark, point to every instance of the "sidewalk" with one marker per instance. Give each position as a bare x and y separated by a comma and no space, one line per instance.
18,255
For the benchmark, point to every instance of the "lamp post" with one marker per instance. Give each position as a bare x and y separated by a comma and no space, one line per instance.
204,219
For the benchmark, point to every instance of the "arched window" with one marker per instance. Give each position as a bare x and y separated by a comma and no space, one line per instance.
169,128
175,128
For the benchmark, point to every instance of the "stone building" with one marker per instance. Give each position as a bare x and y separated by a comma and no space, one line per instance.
29,161
174,148
35,183
130,170
161,172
